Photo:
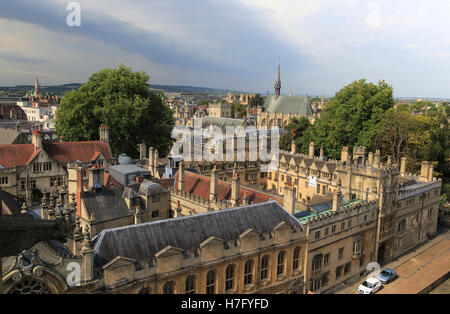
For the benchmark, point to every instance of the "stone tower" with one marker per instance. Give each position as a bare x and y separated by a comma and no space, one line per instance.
36,86
278,82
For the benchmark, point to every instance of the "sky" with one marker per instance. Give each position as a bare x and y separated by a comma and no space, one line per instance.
322,45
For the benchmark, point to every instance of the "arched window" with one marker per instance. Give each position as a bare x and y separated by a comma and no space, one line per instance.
211,282
264,267
190,285
248,272
169,287
229,277
296,258
280,263
30,286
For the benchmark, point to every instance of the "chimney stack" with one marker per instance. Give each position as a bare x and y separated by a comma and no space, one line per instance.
36,138
142,151
181,177
235,187
311,149
344,154
337,197
289,198
213,185
104,133
424,171
403,167
293,147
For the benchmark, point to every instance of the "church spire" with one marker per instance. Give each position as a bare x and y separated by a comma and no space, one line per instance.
36,86
278,81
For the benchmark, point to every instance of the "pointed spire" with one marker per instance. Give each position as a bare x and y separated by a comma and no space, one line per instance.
36,86
278,81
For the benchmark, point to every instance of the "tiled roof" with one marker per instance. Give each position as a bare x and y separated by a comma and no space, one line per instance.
72,151
15,154
143,241
198,185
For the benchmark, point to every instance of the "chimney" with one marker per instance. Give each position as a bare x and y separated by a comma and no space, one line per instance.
178,209
424,171
311,149
104,133
151,156
337,197
246,199
344,154
430,173
80,190
293,147
389,161
37,139
403,167
370,161
322,153
235,187
142,151
289,198
137,215
181,177
349,184
213,185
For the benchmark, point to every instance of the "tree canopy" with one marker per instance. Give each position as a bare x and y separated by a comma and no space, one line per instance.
121,100
256,101
349,119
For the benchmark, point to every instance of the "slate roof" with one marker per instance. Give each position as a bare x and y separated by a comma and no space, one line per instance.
143,241
105,204
10,136
148,188
221,122
288,104
10,206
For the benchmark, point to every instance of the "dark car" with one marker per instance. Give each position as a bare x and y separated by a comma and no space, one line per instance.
387,275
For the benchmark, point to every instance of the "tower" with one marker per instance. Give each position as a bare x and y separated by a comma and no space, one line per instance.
278,82
36,86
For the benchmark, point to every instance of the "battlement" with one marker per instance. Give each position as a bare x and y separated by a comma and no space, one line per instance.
419,188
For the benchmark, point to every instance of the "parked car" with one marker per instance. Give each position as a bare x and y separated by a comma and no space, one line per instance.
387,275
370,286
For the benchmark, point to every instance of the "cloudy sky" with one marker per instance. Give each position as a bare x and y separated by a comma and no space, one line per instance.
234,44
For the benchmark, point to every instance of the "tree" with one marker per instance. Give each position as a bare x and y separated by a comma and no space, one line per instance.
349,119
239,109
256,101
297,130
121,100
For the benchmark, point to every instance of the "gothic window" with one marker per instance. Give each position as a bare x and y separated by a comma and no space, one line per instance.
169,287
211,282
280,263
402,225
229,277
264,267
190,285
296,258
248,272
30,286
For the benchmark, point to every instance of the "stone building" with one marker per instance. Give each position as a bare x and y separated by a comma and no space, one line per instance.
40,166
220,110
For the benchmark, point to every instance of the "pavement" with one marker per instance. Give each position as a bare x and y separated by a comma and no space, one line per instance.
419,269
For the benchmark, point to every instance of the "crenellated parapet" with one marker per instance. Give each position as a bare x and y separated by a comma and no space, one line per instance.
417,189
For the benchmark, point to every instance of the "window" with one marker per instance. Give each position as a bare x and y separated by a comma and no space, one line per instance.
317,235
248,272
349,224
430,212
155,198
333,229
343,226
190,285
402,225
296,258
33,184
47,167
347,268
280,263
229,277
318,188
211,282
315,285
3,180
155,213
264,267
365,217
317,265
341,253
169,287
357,245
326,231
326,259
22,185
338,272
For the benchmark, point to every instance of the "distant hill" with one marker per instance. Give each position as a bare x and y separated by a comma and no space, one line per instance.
62,89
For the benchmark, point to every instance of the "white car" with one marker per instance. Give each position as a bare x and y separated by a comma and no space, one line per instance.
370,286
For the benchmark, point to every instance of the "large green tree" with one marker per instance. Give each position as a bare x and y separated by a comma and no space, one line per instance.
349,119
256,101
121,100
299,131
